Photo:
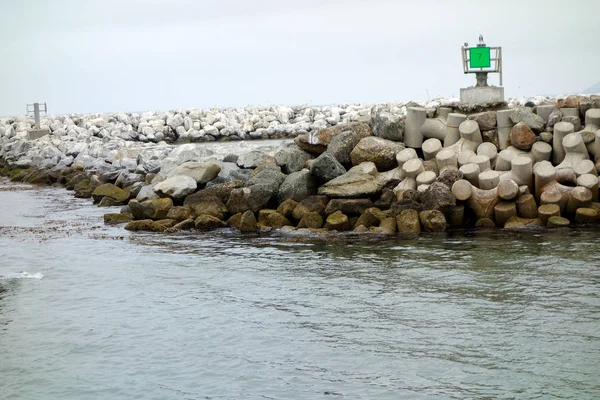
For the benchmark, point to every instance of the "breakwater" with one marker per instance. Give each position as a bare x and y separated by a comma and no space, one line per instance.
388,168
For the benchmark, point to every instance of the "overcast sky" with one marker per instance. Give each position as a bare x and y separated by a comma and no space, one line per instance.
128,55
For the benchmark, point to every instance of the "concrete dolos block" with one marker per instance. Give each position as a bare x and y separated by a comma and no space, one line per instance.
505,126
415,118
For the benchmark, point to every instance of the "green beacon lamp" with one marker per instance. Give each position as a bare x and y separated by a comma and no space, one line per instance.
482,60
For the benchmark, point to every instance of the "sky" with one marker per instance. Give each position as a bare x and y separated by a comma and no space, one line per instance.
136,55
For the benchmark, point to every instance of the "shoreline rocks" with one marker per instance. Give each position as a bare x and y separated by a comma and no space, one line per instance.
347,169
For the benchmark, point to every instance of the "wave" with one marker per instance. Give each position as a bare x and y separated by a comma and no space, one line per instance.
23,275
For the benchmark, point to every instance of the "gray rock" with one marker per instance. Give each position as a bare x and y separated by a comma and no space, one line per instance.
360,181
554,117
491,137
147,192
127,179
381,152
253,198
546,137
385,124
199,171
486,120
348,206
326,167
525,115
231,158
298,186
438,196
269,176
176,187
254,158
292,159
342,145
317,142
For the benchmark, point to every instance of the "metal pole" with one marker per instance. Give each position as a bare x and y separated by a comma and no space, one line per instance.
36,113
481,78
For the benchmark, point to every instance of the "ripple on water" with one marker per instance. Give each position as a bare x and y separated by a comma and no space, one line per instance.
219,315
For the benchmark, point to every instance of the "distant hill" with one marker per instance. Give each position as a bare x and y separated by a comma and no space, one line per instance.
593,89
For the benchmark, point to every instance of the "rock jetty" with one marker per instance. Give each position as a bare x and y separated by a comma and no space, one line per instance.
394,168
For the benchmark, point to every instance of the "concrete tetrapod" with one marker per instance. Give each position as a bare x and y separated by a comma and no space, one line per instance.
575,151
585,215
415,118
431,147
521,171
561,130
411,168
505,126
544,111
589,181
488,149
592,125
452,123
445,159
403,156
546,211
481,202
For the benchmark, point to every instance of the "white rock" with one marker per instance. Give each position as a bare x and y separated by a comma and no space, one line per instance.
176,187
200,172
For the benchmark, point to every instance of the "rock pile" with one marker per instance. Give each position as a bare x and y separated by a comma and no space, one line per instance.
386,169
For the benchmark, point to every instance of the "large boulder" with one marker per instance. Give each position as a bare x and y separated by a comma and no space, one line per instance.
341,144
572,101
348,206
337,222
270,176
438,196
326,167
287,208
117,218
370,217
180,213
199,171
317,142
408,222
248,223
385,124
272,219
220,190
310,204
522,137
311,220
381,152
147,192
252,198
154,208
257,193
182,154
298,186
211,206
486,120
208,223
526,116
255,158
291,159
397,207
177,187
126,179
111,191
145,225
432,221
360,181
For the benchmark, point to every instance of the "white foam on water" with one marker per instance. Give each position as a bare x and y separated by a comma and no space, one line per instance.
23,275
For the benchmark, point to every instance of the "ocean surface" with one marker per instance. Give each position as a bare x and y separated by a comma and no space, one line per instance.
95,312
